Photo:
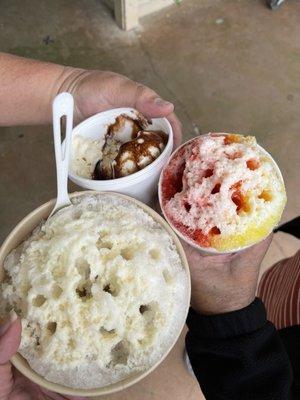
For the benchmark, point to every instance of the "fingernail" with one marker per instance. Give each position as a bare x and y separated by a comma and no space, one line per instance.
8,321
162,103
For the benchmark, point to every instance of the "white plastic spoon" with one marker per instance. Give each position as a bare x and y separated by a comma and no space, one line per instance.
63,105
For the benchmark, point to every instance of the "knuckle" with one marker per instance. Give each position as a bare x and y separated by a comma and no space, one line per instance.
140,90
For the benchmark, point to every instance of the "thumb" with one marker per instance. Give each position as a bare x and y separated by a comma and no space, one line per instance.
150,104
10,337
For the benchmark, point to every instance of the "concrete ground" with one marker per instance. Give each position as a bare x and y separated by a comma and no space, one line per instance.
227,65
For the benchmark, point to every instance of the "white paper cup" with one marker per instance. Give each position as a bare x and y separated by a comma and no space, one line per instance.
142,184
21,232
205,250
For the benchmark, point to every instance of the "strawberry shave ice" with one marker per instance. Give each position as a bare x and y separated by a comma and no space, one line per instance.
222,191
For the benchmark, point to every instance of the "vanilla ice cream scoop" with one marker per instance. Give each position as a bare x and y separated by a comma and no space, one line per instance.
101,292
127,146
86,154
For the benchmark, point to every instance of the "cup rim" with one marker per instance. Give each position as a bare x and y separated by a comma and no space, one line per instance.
136,176
206,250
21,364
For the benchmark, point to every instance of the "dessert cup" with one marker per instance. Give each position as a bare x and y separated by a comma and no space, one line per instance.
179,154
20,233
142,184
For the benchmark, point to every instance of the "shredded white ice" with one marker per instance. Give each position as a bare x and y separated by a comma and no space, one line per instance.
213,173
100,289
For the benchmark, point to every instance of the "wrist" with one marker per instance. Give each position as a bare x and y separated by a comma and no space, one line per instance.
224,288
215,302
84,85
68,81
220,308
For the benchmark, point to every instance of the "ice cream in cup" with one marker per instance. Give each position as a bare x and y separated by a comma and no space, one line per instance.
102,289
222,192
120,150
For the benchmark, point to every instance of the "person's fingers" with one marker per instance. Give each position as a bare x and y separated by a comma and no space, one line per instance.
177,129
96,91
150,103
119,91
10,337
152,106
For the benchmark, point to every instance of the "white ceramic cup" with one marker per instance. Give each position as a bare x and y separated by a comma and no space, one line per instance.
142,184
21,232
205,250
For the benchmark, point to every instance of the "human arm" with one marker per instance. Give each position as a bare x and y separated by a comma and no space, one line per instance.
28,88
234,351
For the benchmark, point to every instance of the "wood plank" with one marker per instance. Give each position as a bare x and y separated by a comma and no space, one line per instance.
146,7
126,14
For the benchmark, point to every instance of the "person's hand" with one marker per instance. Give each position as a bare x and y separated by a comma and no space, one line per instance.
225,283
96,91
13,385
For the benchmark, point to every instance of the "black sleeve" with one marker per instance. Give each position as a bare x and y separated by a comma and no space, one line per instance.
292,227
239,355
